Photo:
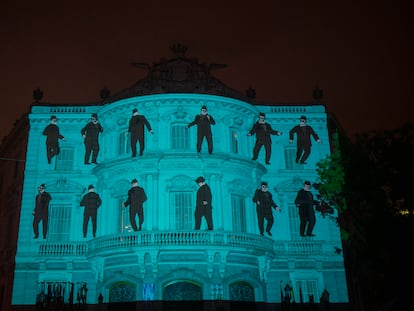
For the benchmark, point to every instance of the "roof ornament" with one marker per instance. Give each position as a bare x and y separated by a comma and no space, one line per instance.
178,49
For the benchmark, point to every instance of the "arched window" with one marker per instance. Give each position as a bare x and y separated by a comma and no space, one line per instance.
182,290
122,292
241,291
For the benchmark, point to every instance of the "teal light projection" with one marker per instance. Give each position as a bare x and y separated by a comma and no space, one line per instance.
167,259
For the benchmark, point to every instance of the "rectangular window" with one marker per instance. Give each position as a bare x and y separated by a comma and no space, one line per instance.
238,211
182,210
308,288
234,135
124,221
59,222
124,143
290,159
180,137
64,160
294,221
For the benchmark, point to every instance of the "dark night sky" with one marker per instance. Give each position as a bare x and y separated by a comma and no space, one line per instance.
359,52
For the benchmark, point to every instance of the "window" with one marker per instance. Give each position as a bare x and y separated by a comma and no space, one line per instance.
241,291
234,147
181,213
122,292
290,159
294,221
59,222
180,137
182,291
124,143
64,160
307,289
124,222
238,211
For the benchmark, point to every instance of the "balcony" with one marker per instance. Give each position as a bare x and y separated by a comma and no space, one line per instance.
182,240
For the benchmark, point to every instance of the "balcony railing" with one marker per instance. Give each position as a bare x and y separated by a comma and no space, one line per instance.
182,240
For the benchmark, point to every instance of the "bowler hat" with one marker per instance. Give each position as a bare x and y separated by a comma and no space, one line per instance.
134,181
91,187
200,179
307,183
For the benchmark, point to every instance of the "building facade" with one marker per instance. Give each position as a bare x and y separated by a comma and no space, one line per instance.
168,260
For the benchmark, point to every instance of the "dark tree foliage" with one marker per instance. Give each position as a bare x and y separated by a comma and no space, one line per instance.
375,213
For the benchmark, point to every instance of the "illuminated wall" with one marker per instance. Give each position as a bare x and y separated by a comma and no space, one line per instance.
168,260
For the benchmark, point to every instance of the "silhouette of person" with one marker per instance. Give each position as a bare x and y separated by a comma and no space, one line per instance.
263,130
136,198
53,135
90,134
203,204
41,211
136,129
264,203
303,133
305,202
203,122
91,201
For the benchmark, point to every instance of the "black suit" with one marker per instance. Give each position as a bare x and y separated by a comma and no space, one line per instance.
52,145
264,209
304,143
263,132
204,123
304,201
136,197
41,213
203,195
91,132
91,201
136,129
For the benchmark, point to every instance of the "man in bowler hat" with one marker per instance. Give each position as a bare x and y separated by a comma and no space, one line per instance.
303,140
136,198
304,202
53,135
91,201
136,129
41,211
263,130
90,134
264,204
204,121
203,204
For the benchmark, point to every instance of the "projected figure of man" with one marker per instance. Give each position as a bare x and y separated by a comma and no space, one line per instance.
203,204
263,130
90,134
53,135
136,198
303,133
305,202
41,211
91,201
264,204
204,121
136,129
